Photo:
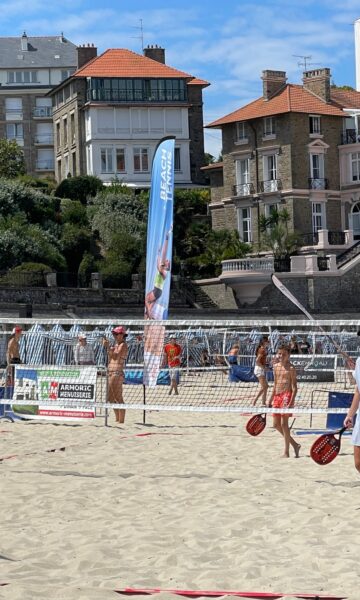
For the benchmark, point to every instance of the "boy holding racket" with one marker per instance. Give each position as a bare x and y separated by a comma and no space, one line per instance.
283,396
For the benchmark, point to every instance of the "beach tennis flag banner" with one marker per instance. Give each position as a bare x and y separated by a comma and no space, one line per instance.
158,256
55,388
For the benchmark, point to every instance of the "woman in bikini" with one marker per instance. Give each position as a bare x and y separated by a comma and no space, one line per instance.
283,396
260,370
117,355
163,267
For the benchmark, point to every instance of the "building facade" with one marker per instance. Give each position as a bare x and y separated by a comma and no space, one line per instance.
297,146
29,68
110,115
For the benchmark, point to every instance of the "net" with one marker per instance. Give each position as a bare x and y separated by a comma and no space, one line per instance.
213,371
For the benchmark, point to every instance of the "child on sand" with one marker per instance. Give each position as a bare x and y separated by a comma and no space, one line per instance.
283,396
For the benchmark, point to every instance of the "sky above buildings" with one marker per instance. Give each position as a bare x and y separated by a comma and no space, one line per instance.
227,43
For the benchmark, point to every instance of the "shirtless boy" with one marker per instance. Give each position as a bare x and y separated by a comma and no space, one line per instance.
117,355
283,396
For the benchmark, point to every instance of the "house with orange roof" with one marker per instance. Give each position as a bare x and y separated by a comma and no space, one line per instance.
295,147
111,113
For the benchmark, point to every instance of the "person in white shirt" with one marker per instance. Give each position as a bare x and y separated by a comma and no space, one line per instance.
349,419
84,352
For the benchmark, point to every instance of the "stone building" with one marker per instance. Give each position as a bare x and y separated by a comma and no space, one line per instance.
111,113
29,68
297,146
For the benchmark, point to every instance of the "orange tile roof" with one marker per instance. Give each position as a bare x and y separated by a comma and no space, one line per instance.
292,98
120,62
216,165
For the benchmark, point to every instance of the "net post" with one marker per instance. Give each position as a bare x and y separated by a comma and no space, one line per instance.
144,403
106,399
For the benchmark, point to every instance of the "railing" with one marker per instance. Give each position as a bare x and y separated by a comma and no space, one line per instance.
336,238
249,264
106,95
310,239
14,112
318,183
19,139
282,265
323,263
243,189
45,165
46,139
270,185
350,137
22,279
44,112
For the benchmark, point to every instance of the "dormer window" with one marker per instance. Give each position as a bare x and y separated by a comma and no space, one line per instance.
315,125
269,127
241,132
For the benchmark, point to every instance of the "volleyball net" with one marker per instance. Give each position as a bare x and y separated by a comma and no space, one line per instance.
215,374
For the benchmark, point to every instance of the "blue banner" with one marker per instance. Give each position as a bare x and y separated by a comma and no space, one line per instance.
158,255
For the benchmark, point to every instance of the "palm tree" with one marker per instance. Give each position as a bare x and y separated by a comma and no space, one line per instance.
276,235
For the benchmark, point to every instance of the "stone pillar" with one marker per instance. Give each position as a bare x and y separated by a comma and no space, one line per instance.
297,264
332,266
96,281
51,280
323,239
349,237
311,265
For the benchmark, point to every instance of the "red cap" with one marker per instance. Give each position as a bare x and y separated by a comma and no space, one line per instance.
119,329
17,329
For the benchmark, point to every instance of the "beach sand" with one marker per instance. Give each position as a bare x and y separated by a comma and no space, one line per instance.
198,504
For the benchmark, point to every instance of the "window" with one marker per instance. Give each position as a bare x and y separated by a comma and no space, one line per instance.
13,109
22,77
270,183
355,166
241,132
58,140
317,171
318,216
269,126
14,131
245,224
242,173
120,160
269,210
65,73
72,128
65,125
73,161
106,155
138,90
139,120
141,160
315,124
177,160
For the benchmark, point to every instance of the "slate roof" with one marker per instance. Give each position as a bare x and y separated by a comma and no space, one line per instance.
41,52
293,98
120,62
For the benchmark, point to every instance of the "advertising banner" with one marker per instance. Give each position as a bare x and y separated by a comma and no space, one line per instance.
158,256
318,368
55,388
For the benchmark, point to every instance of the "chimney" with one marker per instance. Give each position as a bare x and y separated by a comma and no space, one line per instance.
85,53
318,82
155,52
273,82
24,42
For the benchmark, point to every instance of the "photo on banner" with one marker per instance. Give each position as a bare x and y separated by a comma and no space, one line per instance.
158,256
54,388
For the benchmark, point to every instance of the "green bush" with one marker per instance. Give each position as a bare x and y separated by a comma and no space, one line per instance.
34,275
79,188
87,266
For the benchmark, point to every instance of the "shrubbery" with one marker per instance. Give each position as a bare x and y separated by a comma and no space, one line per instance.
79,188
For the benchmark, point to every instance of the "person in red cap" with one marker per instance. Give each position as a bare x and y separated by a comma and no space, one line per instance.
13,351
117,355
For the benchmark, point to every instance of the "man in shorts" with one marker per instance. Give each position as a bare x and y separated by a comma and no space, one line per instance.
283,396
173,353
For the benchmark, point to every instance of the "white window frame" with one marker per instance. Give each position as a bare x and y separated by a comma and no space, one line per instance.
241,133
355,166
245,224
17,134
315,126
177,159
270,173
242,176
117,151
269,128
140,151
318,213
22,77
317,171
106,160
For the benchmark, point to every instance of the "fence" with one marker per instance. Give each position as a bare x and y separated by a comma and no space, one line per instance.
208,380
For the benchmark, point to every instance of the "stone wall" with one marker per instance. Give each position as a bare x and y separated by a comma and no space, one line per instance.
222,295
196,133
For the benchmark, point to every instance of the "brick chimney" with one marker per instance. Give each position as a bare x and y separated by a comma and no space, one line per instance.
273,82
85,53
318,82
155,52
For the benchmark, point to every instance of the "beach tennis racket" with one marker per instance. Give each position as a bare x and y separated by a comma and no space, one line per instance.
326,448
256,424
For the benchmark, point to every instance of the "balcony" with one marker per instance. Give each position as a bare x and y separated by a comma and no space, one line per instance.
249,264
318,183
13,114
323,239
270,186
350,136
106,95
309,239
45,165
44,139
243,189
42,112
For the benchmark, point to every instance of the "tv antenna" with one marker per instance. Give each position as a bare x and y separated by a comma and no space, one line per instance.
305,61
141,36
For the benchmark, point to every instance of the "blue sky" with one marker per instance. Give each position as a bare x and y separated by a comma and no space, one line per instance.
227,43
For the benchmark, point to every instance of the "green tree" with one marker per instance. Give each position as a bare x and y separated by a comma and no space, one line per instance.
220,245
81,187
276,235
12,161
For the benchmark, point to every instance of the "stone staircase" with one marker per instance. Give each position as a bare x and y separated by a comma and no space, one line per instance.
196,296
348,255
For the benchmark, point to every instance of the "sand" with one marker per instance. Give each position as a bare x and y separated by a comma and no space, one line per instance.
197,504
